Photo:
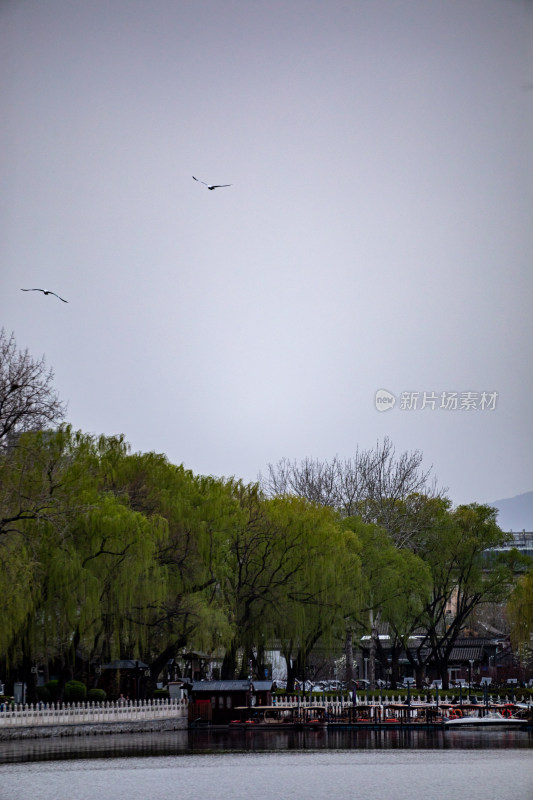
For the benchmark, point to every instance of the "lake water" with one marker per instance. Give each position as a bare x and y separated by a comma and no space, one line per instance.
337,765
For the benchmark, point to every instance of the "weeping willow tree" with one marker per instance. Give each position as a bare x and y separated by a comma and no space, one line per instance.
196,511
250,574
520,616
394,588
91,582
454,548
113,554
87,558
18,577
320,590
34,497
266,571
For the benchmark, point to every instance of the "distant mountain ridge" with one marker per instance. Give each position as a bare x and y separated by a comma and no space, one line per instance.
515,513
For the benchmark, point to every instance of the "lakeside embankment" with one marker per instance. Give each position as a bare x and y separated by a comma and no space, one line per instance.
92,729
88,719
131,717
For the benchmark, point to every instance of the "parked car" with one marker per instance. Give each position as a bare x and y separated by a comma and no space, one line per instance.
309,686
333,685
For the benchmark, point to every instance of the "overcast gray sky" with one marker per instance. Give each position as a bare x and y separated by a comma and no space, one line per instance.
377,234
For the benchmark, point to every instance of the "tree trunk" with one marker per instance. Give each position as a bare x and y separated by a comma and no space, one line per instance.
158,664
229,664
419,675
444,674
395,668
291,674
374,622
348,650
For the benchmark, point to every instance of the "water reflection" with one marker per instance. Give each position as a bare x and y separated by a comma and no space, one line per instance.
175,743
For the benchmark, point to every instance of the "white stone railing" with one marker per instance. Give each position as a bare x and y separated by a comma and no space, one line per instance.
90,713
290,701
16,716
344,700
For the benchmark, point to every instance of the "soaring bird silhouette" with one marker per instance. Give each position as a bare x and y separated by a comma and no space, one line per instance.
212,186
44,291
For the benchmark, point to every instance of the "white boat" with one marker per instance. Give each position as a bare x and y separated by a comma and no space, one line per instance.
493,719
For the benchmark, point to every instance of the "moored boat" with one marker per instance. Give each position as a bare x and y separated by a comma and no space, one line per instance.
280,718
489,720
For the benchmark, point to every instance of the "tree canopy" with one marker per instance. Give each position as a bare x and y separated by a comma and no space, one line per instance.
109,554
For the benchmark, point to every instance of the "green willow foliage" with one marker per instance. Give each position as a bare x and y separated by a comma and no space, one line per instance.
520,614
84,556
324,592
106,554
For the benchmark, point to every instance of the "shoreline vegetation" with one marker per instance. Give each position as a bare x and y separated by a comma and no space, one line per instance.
108,555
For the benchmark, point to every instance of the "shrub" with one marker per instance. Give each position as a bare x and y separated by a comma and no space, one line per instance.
161,694
75,691
96,695
43,694
53,688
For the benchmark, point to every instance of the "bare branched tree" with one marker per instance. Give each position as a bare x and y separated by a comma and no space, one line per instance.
349,487
385,475
314,480
27,398
397,491
380,486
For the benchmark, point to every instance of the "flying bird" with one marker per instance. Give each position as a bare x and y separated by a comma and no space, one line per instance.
212,186
44,291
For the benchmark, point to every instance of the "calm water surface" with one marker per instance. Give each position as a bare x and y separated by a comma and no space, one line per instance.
389,765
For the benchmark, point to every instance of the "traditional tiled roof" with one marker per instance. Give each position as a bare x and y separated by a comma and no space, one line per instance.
231,686
467,653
